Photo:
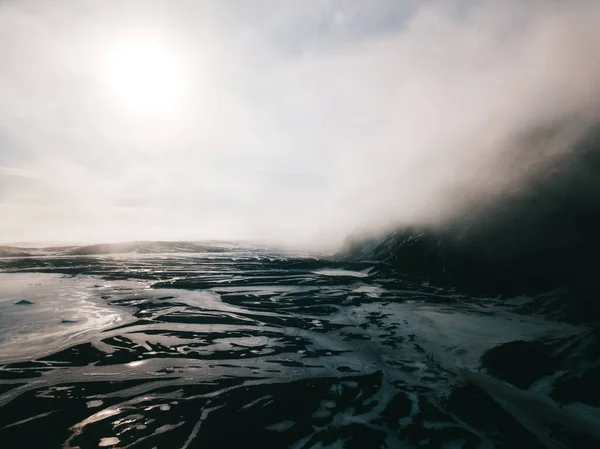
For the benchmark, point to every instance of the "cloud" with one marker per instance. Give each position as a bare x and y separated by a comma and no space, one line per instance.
303,121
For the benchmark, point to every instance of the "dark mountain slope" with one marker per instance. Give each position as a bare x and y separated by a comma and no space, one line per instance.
541,236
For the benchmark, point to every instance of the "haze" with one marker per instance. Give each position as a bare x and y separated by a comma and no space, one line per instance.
292,122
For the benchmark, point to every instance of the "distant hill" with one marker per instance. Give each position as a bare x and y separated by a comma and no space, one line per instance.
14,251
140,247
147,247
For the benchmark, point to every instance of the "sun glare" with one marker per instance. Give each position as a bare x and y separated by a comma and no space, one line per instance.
146,76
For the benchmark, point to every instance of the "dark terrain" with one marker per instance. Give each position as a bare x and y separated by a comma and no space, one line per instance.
231,346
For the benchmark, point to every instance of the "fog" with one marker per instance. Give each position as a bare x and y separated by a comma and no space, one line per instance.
294,123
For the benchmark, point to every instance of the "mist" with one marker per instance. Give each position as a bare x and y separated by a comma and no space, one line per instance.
299,122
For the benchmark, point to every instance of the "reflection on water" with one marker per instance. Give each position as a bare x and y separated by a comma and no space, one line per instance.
40,313
250,349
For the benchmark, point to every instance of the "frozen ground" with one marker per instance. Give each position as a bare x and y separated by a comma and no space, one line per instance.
240,347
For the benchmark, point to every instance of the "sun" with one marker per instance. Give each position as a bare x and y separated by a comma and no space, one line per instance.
145,75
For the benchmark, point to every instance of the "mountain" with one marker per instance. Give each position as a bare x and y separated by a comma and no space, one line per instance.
540,238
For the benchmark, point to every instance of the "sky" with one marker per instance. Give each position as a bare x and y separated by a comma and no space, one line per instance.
289,122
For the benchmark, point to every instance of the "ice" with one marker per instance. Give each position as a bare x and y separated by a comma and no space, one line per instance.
281,426
107,442
94,404
41,328
169,348
340,272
